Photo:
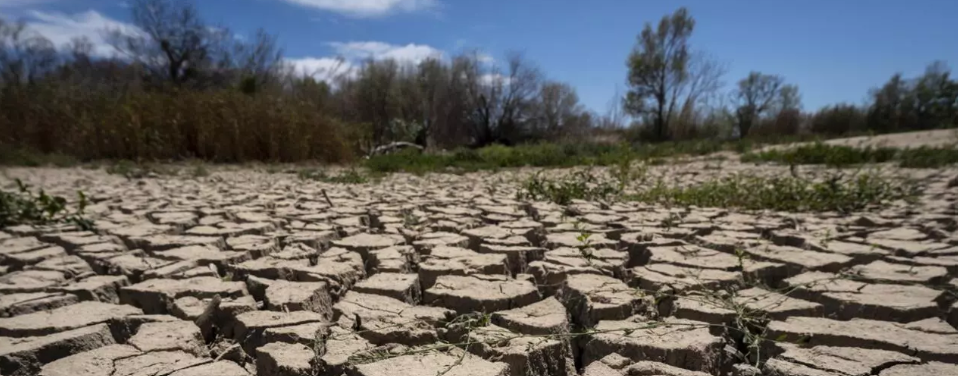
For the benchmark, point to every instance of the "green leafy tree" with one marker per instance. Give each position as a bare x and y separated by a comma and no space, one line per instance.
936,97
658,71
927,102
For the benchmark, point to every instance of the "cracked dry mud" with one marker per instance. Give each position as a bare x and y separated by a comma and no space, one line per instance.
250,273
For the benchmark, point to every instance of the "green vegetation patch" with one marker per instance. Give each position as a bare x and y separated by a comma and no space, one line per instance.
581,185
792,194
27,158
23,207
840,155
927,157
545,155
350,176
836,193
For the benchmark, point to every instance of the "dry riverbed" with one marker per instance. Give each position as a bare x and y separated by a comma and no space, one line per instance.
245,272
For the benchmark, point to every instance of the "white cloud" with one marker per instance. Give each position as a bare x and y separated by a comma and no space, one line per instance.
61,28
322,68
414,53
22,3
485,59
366,8
350,56
489,79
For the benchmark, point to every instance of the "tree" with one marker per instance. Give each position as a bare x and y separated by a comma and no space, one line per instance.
442,103
789,98
556,112
929,101
24,55
658,70
704,79
376,96
172,41
888,111
756,94
500,102
936,97
700,91
258,61
836,120
613,118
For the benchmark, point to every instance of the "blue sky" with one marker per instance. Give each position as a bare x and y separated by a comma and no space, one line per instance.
834,50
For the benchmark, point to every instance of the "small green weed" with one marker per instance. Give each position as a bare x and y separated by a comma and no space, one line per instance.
792,194
580,185
625,173
199,171
350,176
24,207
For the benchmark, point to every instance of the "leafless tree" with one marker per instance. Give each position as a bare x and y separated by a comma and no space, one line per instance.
175,43
81,49
613,118
699,93
704,79
260,59
501,99
24,55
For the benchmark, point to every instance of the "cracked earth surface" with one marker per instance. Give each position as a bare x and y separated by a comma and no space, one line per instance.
250,273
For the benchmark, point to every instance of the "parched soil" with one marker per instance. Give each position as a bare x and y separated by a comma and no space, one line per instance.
244,272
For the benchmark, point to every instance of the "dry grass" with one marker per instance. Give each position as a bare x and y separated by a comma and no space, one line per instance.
222,126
